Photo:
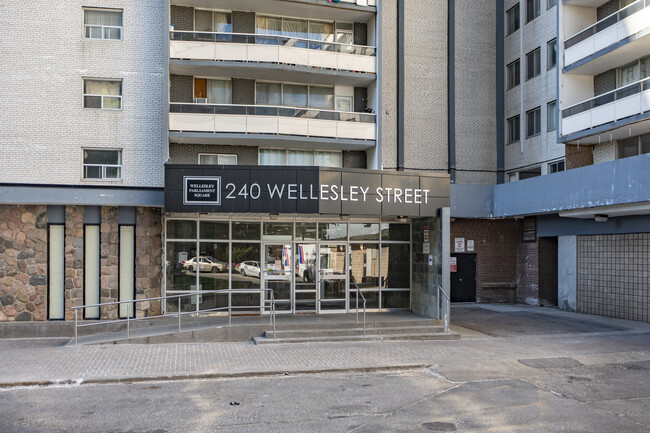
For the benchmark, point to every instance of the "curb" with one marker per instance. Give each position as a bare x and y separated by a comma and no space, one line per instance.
243,375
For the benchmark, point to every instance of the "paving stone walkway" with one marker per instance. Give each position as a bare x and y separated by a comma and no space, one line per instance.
586,339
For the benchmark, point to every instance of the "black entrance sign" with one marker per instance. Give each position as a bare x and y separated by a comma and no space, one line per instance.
201,190
302,190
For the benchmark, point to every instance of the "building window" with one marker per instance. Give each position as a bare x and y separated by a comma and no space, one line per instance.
217,159
634,146
533,122
512,177
533,65
529,229
633,72
210,91
514,73
102,164
513,129
102,94
212,21
103,24
550,4
556,167
294,95
300,158
551,54
529,172
92,270
551,116
512,18
532,10
315,31
126,291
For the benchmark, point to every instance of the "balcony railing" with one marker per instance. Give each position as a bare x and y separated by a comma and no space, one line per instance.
607,98
271,120
606,23
610,107
272,110
286,41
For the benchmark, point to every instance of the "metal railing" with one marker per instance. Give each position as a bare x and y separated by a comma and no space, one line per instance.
358,290
606,98
279,40
271,110
445,319
606,22
131,304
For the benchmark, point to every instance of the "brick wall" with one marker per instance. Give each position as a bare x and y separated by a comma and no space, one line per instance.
495,246
613,275
189,153
578,156
243,91
360,99
605,82
243,22
44,132
181,88
182,18
607,9
23,263
354,159
360,34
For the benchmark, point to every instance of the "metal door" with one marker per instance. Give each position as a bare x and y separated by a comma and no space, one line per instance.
463,281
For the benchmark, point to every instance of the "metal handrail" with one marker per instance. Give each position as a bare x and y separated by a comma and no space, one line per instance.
279,40
358,290
130,305
634,88
272,110
605,23
446,318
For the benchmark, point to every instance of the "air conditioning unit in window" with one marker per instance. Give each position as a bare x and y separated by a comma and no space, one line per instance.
200,100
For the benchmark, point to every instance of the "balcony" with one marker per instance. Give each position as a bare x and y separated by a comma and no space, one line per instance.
629,102
594,49
281,53
249,124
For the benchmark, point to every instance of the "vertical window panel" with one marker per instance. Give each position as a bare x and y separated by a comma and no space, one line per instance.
127,270
56,272
91,270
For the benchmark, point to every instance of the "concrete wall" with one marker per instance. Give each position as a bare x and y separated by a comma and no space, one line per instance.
388,90
46,127
567,273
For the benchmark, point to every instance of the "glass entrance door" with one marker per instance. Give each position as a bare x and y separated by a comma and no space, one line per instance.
333,294
277,275
305,278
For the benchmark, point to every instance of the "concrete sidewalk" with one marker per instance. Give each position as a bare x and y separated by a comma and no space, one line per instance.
497,341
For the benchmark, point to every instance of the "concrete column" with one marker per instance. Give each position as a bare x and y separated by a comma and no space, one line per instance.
567,273
446,251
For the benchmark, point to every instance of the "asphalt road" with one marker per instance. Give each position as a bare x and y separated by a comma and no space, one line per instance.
562,397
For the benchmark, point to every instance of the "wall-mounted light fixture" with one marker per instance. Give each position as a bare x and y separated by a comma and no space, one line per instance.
601,218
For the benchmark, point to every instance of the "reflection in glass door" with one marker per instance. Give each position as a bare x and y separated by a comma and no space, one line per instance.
333,278
277,273
305,275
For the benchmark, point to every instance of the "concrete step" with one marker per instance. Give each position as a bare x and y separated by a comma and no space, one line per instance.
353,331
281,324
359,338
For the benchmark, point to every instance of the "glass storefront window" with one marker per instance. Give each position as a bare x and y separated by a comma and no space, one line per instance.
305,231
364,266
213,266
181,229
214,230
395,232
395,266
364,232
243,231
278,232
333,231
180,271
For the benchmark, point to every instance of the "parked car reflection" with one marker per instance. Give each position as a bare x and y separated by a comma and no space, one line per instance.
205,264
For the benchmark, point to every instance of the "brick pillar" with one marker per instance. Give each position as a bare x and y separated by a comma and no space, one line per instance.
109,261
148,268
74,255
